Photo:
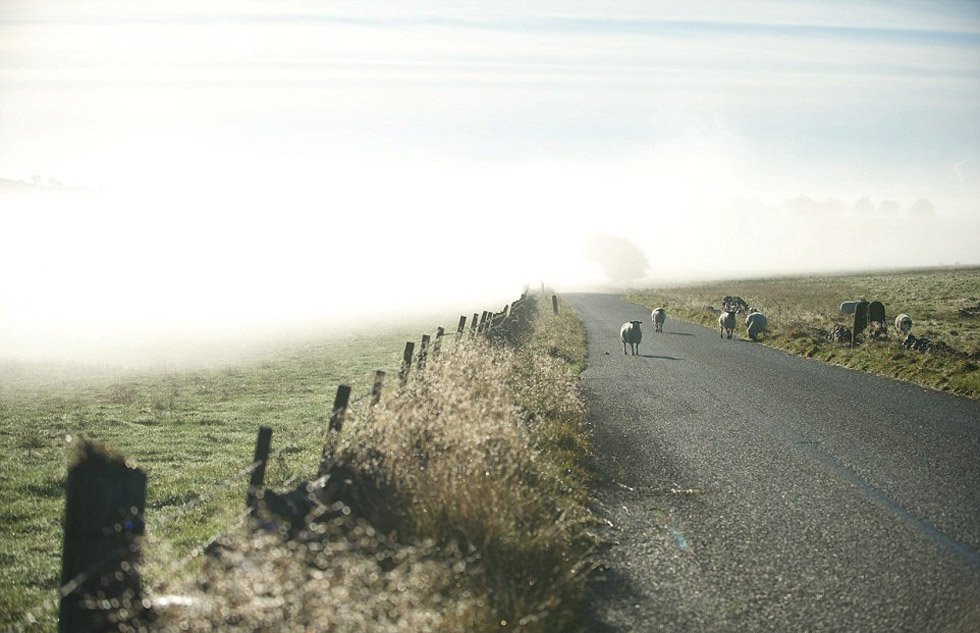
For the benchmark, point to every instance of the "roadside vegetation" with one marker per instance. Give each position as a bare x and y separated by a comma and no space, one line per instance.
803,311
192,430
479,467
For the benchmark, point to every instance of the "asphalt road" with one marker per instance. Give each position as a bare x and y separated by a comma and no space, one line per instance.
745,489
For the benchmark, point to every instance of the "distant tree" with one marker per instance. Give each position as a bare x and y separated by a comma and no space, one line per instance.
889,208
864,206
922,209
621,259
802,204
831,206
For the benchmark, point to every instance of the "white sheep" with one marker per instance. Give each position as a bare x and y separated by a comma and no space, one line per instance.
755,325
631,334
659,316
727,323
903,323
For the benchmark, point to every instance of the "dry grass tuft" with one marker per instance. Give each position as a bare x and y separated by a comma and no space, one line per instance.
483,453
332,582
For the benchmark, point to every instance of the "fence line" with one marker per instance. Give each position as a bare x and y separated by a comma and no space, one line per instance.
490,324
231,481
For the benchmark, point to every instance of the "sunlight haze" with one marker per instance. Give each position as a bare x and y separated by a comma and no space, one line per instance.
199,167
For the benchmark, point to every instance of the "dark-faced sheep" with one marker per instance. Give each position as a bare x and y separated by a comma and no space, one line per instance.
727,323
659,316
755,325
631,335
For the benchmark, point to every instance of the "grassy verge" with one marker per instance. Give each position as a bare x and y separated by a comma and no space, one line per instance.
484,458
469,479
191,430
803,310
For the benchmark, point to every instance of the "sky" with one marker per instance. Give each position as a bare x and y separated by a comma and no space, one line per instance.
216,165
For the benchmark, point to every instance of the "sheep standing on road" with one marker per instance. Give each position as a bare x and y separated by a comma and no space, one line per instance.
727,323
903,323
755,325
631,334
659,316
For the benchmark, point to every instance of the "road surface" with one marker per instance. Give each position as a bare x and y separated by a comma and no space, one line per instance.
745,489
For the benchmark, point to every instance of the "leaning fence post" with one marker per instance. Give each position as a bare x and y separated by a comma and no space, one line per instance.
336,422
462,325
474,325
262,444
554,303
104,503
406,362
379,379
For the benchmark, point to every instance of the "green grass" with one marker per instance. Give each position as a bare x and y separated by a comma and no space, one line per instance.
801,310
191,430
194,431
480,463
561,335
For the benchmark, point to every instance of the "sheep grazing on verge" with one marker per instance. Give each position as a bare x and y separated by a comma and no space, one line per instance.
659,316
727,323
755,325
631,334
903,323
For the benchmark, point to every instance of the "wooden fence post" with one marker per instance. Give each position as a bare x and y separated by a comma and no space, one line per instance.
336,423
104,503
339,408
474,326
379,379
440,332
423,350
406,362
257,480
462,325
554,303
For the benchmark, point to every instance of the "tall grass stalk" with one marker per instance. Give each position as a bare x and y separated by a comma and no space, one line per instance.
484,456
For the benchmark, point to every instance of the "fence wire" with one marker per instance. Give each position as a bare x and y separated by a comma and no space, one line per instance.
236,479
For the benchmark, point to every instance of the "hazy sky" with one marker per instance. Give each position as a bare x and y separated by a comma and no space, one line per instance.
272,159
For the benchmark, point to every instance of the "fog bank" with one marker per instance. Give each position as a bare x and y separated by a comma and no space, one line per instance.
98,277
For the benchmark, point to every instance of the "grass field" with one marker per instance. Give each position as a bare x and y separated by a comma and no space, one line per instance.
803,310
193,431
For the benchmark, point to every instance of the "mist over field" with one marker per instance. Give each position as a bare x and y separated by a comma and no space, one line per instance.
188,173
